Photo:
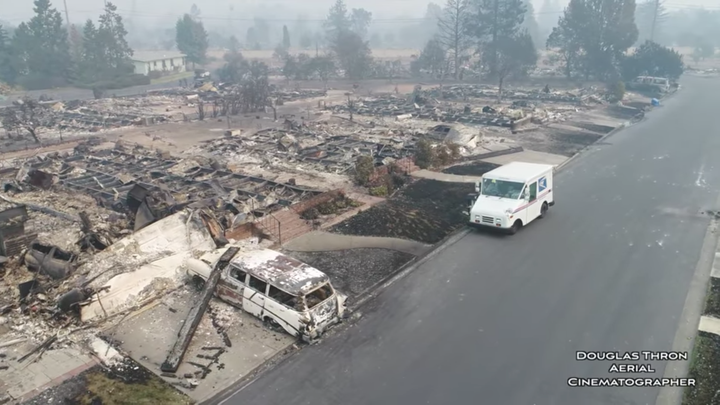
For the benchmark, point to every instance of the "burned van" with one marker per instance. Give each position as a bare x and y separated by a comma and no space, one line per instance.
285,293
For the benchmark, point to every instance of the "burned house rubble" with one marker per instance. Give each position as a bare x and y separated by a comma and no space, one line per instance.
311,148
402,107
148,187
463,92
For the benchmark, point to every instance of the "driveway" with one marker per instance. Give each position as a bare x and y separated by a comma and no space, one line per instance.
497,320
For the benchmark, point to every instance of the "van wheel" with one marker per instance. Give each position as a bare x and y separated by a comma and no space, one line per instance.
198,282
543,210
515,227
272,324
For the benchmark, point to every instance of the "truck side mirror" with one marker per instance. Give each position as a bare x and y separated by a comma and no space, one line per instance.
477,187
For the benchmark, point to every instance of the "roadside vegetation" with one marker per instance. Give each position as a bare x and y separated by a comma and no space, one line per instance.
705,360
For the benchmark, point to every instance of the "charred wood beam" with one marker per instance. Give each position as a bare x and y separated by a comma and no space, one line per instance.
174,358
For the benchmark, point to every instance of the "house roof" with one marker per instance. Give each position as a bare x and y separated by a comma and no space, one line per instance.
152,56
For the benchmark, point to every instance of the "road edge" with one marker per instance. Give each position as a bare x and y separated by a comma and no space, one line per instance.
689,322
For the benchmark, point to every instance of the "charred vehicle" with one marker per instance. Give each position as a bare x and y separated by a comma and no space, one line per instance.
285,293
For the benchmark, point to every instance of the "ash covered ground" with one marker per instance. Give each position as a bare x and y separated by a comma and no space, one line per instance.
426,211
353,271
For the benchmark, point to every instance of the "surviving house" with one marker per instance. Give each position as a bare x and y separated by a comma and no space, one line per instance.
162,61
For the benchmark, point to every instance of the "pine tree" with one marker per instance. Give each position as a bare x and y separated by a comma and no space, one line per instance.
111,33
191,39
8,68
44,48
492,21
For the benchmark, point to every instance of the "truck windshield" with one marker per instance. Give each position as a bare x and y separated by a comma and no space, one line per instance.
501,188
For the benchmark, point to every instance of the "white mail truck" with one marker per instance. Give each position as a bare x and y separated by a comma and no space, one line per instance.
511,196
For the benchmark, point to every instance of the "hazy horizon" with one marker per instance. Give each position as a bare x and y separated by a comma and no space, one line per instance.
219,11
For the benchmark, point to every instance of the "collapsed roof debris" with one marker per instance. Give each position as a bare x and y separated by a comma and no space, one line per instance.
149,187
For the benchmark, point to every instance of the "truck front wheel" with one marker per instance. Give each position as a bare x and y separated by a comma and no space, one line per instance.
543,210
515,227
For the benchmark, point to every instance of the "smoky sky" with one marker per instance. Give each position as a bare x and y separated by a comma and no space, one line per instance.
239,10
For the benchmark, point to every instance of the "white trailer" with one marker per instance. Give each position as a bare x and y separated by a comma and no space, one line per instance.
511,196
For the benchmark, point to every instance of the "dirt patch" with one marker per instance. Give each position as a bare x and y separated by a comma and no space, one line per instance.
426,211
125,384
471,169
705,369
353,271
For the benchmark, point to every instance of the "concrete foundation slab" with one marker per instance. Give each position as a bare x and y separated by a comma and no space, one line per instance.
709,324
149,335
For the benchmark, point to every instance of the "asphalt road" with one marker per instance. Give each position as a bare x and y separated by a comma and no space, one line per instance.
497,320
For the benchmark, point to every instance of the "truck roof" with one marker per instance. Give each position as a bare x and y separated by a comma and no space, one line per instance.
518,171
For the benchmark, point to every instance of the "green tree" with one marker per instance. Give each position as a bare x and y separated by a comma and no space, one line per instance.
515,56
530,24
432,58
235,65
360,21
43,51
286,37
703,49
602,31
364,169
111,34
337,22
191,39
353,55
8,62
493,20
653,59
565,38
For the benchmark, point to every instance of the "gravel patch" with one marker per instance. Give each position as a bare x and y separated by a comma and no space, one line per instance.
353,271
425,211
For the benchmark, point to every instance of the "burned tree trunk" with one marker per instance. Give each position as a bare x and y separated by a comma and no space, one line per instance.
201,110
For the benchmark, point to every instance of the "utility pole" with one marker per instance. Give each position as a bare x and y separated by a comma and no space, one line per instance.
655,14
493,67
67,15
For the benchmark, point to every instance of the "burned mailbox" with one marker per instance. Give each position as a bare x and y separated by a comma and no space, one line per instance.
50,260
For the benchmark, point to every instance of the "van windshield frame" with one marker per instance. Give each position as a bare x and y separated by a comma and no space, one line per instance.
502,188
311,301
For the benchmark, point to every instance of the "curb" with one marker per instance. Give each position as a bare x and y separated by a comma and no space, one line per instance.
608,135
692,312
373,290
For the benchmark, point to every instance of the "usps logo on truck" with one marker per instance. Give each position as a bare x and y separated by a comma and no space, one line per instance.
542,184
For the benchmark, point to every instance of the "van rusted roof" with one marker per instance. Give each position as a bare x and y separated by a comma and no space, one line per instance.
285,272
